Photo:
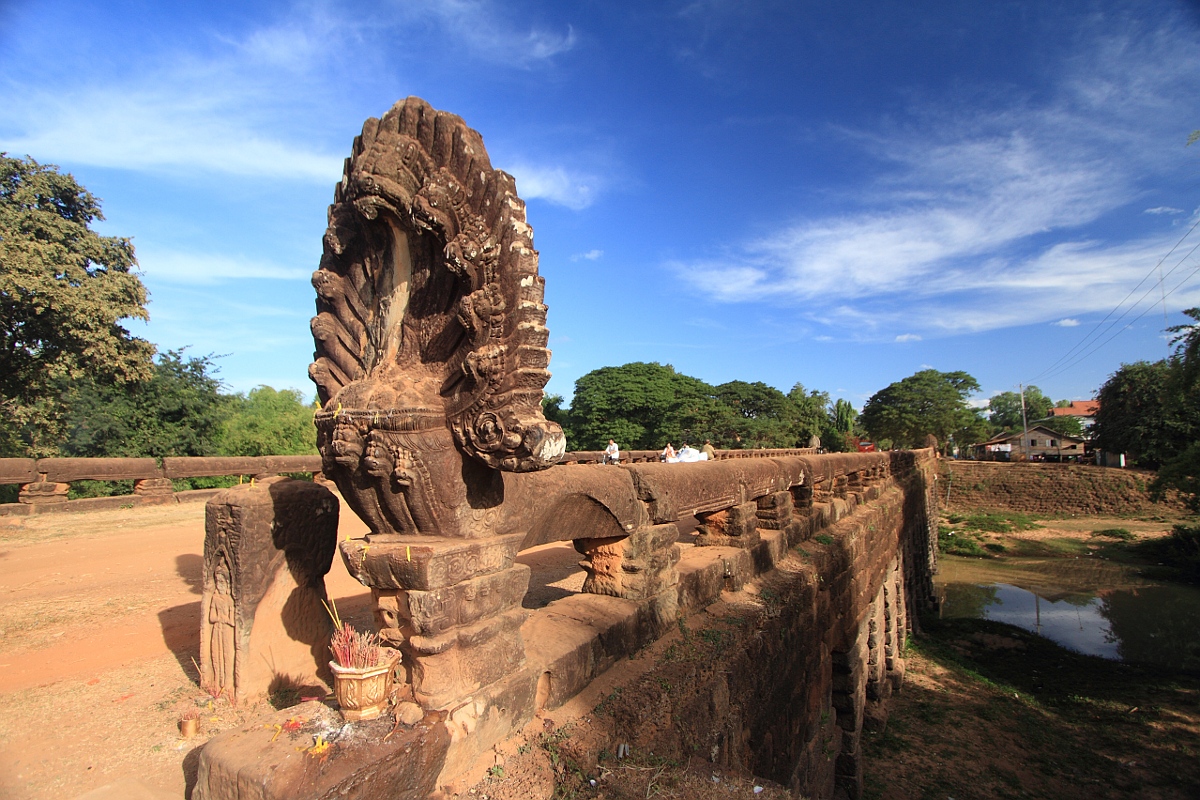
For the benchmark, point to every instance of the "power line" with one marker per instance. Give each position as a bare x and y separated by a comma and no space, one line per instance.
1120,330
1096,331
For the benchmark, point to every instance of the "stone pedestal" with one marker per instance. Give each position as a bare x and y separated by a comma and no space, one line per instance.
43,493
775,511
640,567
736,526
154,490
263,625
453,606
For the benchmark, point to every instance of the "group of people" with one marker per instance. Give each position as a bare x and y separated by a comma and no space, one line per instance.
687,453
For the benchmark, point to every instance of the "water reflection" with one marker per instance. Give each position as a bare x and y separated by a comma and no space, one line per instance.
1089,605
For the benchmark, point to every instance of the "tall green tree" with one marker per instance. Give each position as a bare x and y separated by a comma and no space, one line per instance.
268,422
1004,409
1146,413
761,415
812,418
177,411
64,290
1187,348
643,406
928,402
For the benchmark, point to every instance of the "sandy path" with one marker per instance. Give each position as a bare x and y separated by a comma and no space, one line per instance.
99,621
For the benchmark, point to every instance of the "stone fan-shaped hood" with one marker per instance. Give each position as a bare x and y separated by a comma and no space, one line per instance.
429,301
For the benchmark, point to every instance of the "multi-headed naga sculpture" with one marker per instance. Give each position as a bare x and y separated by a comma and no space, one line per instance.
431,337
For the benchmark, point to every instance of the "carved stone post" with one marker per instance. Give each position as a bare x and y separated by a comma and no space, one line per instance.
453,606
430,364
267,547
43,493
736,526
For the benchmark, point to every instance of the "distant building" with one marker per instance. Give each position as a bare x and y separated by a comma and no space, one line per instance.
1043,444
1082,410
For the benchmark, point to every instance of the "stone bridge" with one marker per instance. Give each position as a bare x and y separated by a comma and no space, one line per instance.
430,366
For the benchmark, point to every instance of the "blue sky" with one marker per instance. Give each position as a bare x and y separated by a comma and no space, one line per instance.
832,194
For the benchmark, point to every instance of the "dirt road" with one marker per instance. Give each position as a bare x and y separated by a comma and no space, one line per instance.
99,623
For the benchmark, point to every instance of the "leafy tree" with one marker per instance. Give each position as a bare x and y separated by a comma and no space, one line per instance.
269,423
843,415
927,402
1146,413
1004,409
177,411
1181,473
812,418
1187,348
761,415
63,291
552,409
643,406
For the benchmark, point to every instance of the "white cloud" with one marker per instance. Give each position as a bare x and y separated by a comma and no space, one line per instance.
1163,210
487,31
1067,323
981,220
590,255
908,337
557,185
207,268
253,105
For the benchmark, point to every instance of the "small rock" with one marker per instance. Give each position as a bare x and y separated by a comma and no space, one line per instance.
409,713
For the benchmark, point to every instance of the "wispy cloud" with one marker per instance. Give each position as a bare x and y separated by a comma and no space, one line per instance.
908,337
488,30
1067,323
590,255
207,268
982,219
254,105
557,185
1163,210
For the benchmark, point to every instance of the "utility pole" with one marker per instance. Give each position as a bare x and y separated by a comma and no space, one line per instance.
1024,422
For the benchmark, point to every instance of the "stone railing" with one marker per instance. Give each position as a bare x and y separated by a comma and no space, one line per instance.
477,666
45,482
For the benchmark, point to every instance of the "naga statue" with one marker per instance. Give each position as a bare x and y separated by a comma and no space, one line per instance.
430,331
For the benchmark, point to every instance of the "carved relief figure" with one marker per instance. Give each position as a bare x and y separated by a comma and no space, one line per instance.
221,620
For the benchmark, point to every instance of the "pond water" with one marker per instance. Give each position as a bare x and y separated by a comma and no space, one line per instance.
1087,604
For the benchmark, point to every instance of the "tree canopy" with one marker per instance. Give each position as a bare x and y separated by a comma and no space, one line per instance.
64,289
926,403
642,406
177,411
1004,409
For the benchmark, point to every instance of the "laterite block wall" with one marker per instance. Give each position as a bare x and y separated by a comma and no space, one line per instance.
1043,488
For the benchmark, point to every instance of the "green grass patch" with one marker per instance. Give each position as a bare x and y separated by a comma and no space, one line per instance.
823,538
1122,534
999,522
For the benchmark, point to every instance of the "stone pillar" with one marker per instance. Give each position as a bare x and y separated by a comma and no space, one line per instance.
452,605
267,547
641,568
849,700
736,526
43,493
895,617
635,567
775,511
154,490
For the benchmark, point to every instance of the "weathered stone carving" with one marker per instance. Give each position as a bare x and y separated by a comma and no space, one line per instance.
430,363
267,547
430,332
